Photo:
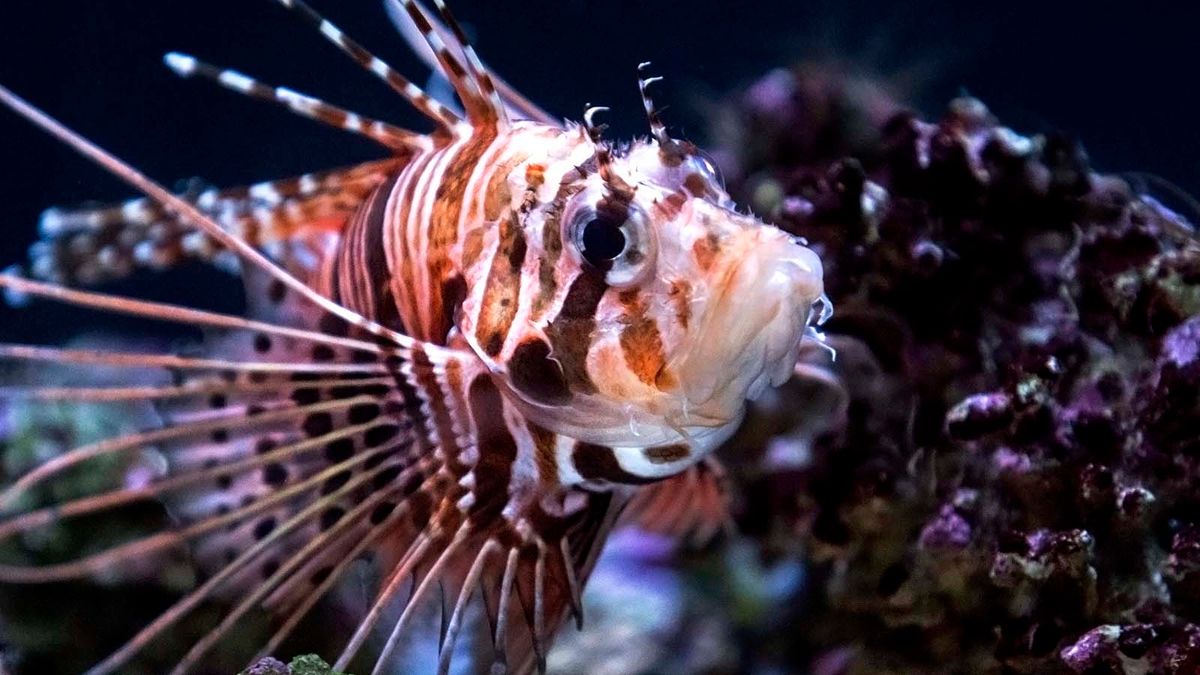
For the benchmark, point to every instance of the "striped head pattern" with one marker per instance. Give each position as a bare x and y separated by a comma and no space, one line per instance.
626,302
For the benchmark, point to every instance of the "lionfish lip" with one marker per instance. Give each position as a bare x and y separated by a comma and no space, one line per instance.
758,319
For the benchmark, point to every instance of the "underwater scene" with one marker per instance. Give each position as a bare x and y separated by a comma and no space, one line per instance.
599,337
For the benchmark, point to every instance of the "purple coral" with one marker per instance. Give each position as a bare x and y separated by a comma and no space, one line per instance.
1016,482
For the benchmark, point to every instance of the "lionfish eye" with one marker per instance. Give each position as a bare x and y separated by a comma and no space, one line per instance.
602,241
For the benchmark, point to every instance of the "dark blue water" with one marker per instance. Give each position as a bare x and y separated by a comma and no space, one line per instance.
1120,75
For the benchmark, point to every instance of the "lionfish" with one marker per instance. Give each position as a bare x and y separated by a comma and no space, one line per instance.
467,361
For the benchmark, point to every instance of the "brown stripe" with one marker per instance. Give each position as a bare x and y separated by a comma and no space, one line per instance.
571,331
419,19
454,382
437,399
596,462
497,449
363,276
698,185
665,454
641,342
501,295
413,406
544,443
453,293
444,223
498,197
452,64
536,375
535,176
552,249
705,250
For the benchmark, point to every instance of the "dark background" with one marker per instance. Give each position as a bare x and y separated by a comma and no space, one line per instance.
1119,75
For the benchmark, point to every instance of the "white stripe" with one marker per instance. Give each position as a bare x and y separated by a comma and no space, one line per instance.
236,80
51,222
180,63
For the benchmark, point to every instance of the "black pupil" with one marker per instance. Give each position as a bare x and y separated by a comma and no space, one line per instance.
602,241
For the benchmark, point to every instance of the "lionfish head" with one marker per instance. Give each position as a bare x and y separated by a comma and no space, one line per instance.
675,306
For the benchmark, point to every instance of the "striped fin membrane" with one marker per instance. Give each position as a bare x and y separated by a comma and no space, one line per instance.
93,245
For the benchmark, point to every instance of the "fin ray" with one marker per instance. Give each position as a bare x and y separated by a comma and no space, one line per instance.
96,244
439,113
518,104
387,135
484,110
189,213
130,649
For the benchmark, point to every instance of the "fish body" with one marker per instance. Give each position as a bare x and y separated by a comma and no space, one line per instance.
468,359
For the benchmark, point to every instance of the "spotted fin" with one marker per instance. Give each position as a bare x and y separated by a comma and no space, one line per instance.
92,245
294,445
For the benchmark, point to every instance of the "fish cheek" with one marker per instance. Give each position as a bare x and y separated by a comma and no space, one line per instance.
536,376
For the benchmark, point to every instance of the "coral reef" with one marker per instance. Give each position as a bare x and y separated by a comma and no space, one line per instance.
1015,483
309,664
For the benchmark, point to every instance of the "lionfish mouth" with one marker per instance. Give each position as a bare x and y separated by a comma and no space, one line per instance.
765,301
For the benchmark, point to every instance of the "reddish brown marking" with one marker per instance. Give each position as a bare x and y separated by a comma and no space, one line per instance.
641,342
472,247
665,381
497,449
454,292
535,175
544,453
672,154
706,251
697,185
456,387
551,249
669,207
498,197
570,332
443,222
452,64
502,292
336,118
679,295
665,454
